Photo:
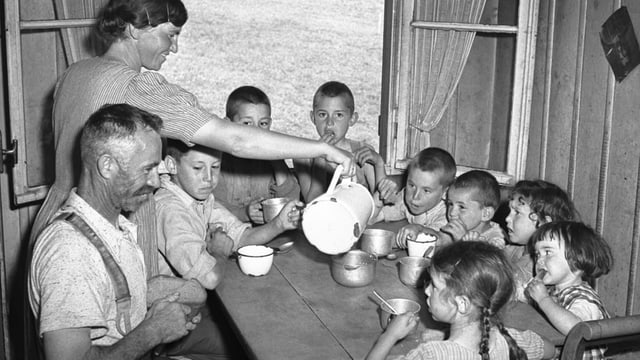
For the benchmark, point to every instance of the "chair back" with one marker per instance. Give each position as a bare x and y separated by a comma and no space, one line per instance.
600,332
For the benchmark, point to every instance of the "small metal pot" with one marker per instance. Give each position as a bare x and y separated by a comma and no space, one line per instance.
354,269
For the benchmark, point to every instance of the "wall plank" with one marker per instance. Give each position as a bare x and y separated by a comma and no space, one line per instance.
592,146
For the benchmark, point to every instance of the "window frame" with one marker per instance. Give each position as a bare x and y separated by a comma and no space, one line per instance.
22,192
397,68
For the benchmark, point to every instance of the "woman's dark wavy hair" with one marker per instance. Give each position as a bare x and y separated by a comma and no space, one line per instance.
480,272
584,249
117,14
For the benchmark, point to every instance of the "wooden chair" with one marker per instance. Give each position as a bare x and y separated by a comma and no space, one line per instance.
598,332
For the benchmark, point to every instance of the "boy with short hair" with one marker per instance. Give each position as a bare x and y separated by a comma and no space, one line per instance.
532,204
333,114
421,201
472,200
244,183
195,234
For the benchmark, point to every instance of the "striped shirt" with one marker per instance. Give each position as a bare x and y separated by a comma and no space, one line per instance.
584,302
530,342
89,84
86,86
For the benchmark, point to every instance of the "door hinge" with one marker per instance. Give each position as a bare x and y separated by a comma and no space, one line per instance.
11,154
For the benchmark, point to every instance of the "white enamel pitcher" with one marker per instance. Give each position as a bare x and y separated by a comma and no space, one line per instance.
334,221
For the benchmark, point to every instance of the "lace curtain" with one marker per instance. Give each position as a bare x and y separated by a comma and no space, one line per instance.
439,56
79,42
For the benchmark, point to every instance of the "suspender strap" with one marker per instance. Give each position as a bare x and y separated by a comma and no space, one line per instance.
123,297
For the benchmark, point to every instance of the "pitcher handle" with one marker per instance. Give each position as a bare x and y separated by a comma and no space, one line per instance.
335,178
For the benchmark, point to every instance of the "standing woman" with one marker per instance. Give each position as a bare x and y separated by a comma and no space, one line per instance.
141,34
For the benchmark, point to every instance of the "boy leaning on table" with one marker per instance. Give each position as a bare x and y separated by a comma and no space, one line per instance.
195,233
421,202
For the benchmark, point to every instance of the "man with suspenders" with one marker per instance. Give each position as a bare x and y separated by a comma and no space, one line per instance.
87,281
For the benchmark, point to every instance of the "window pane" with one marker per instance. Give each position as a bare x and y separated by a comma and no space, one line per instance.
288,49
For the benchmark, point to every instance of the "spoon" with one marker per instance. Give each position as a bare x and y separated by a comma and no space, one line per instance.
284,248
385,302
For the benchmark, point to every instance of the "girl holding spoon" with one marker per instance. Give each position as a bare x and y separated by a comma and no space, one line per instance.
470,282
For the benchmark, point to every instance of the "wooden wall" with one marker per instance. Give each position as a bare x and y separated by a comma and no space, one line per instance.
584,133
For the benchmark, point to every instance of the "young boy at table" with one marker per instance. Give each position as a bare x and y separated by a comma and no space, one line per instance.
472,201
532,203
195,233
333,114
569,255
244,183
421,201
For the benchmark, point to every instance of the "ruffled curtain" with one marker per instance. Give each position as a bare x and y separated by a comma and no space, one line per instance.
79,42
439,57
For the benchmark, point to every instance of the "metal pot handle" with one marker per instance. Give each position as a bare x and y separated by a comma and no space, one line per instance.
351,267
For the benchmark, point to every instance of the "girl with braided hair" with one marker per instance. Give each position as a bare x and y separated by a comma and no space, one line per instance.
470,282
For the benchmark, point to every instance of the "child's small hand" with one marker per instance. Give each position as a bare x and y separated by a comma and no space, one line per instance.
536,290
401,325
455,228
329,137
410,231
366,154
472,236
289,216
218,242
388,191
254,210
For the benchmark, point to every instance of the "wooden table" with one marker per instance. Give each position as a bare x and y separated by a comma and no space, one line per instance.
298,311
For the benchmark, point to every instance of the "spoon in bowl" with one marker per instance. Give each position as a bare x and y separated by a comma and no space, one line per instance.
385,302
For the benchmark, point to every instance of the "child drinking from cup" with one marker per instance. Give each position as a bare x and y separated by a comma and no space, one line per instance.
195,233
470,282
569,255
244,183
532,203
472,201
421,202
333,114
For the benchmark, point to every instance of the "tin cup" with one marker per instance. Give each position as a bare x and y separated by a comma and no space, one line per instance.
412,270
272,207
401,306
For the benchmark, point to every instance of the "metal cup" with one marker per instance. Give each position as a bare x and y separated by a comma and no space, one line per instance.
413,269
272,207
401,306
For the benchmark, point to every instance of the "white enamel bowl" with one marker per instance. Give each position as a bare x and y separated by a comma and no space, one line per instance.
255,260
